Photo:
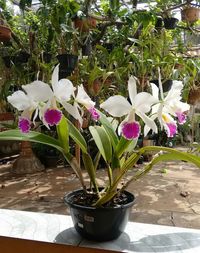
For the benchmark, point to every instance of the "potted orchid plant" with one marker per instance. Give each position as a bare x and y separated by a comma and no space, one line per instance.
100,212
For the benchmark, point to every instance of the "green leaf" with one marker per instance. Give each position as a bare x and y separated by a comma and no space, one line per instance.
174,154
109,129
63,134
182,156
75,134
94,74
123,145
25,3
96,160
89,166
32,136
114,5
102,141
106,75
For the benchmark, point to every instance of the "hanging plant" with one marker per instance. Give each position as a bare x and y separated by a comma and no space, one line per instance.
5,32
84,24
194,95
190,14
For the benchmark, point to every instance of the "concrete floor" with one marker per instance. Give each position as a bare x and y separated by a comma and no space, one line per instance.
168,195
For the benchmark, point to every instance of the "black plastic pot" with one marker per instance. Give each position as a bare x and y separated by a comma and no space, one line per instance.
170,23
87,49
21,57
67,61
67,64
47,57
7,61
166,85
109,46
101,223
159,23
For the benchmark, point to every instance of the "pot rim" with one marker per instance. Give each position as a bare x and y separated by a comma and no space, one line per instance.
67,201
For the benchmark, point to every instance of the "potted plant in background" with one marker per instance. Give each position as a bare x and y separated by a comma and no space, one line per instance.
5,32
191,74
100,212
190,13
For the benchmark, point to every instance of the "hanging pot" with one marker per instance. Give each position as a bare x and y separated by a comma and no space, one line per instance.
109,46
7,61
159,23
166,84
170,23
99,223
21,57
46,57
5,33
190,14
87,49
67,65
67,61
85,24
194,96
64,74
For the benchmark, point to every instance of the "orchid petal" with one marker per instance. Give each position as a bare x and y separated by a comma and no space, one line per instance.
159,113
24,124
130,130
73,110
177,84
117,106
147,128
53,116
35,115
155,91
171,129
181,118
175,92
83,98
38,91
154,109
148,121
54,78
63,90
132,88
143,102
181,106
19,100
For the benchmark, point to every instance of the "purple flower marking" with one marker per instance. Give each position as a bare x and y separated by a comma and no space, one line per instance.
24,125
181,117
171,129
131,130
52,116
95,115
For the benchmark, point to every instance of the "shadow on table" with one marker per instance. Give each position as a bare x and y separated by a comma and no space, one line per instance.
152,243
68,236
161,243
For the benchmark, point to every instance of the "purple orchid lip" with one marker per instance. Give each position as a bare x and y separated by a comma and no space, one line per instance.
171,129
95,115
181,117
131,130
52,116
24,125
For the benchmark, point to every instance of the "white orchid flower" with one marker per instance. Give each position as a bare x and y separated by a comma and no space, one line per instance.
43,101
168,106
83,99
32,100
139,104
62,91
